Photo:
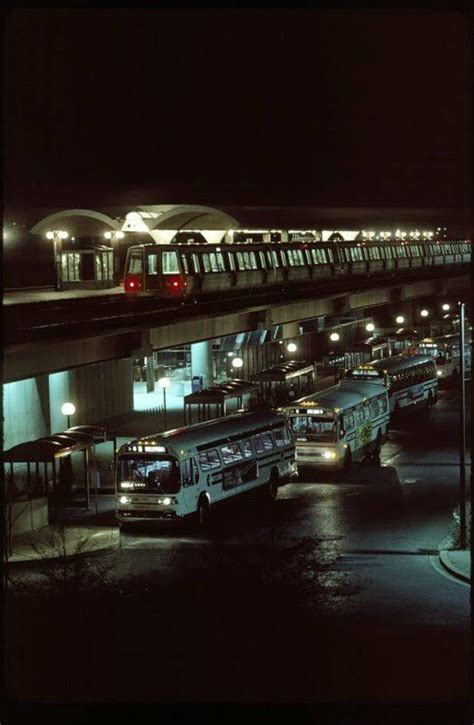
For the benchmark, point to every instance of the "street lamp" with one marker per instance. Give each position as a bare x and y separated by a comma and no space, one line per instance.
399,319
334,336
68,409
164,383
446,307
237,363
424,313
292,347
57,235
370,327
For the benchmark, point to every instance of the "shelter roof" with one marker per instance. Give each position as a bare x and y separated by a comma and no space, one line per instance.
282,372
219,393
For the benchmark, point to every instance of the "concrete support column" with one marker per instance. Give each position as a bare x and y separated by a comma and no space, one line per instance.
201,361
150,374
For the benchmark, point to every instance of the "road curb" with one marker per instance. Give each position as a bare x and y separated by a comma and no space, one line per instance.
113,545
452,568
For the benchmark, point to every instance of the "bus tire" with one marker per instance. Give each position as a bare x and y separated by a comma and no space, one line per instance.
378,447
273,485
431,401
203,511
347,458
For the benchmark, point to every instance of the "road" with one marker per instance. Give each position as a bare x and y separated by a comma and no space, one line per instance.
333,594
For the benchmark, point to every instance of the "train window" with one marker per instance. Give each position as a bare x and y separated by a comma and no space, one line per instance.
231,261
170,264
322,255
289,254
184,261
196,266
299,257
205,262
152,264
252,260
270,262
276,261
315,256
307,255
263,263
135,264
284,261
347,253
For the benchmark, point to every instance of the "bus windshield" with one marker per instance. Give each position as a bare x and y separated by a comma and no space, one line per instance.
149,475
323,429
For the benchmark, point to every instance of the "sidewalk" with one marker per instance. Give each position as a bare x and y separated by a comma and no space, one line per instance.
457,563
78,532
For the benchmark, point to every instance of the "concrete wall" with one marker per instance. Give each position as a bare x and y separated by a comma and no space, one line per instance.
25,410
100,391
32,408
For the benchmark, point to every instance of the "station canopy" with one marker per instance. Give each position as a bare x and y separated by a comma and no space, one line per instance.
55,446
218,394
280,373
370,343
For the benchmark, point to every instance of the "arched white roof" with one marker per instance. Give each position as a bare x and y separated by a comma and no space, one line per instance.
52,221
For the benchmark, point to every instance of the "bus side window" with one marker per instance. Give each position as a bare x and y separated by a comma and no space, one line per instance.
231,452
195,471
280,436
349,422
359,415
186,473
203,462
374,404
247,448
382,404
262,443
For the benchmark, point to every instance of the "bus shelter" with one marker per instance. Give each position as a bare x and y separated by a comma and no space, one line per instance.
87,268
373,348
285,381
400,340
41,460
216,397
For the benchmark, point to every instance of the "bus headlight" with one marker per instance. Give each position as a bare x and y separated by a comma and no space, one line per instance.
329,455
168,501
125,499
439,373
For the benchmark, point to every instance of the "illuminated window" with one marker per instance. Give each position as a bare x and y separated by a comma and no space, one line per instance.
170,263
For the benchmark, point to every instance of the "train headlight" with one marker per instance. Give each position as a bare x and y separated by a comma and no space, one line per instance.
329,455
125,499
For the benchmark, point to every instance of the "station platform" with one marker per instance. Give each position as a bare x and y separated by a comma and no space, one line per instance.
32,296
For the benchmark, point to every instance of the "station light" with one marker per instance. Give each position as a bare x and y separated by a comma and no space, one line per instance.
292,347
334,336
230,354
164,383
370,327
399,319
114,235
237,363
446,307
424,313
68,409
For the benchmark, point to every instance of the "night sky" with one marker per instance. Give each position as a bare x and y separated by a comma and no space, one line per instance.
220,106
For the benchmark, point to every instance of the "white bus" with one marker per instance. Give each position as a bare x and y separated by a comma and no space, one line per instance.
446,352
339,425
411,380
186,471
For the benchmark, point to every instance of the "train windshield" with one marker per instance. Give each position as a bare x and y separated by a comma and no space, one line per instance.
323,429
153,474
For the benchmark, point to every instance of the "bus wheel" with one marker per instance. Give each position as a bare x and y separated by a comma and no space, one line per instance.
378,448
203,511
430,399
273,486
347,458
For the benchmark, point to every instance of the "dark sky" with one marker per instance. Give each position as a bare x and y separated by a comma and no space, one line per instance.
262,107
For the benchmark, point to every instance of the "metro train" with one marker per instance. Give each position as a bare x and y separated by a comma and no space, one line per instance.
193,270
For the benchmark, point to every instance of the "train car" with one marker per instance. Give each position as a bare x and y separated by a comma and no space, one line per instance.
170,270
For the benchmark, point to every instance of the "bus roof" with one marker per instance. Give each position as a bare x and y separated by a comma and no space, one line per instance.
213,430
344,395
398,362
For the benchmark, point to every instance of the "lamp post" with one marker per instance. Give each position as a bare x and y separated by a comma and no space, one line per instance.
114,236
292,347
399,319
68,409
462,435
164,383
237,363
335,337
57,235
